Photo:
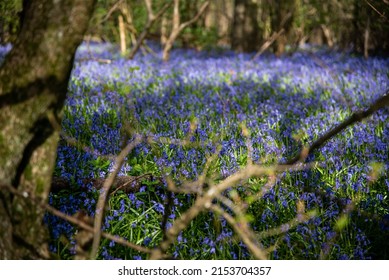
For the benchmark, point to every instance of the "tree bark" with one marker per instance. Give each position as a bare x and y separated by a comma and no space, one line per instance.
245,30
283,19
178,27
33,86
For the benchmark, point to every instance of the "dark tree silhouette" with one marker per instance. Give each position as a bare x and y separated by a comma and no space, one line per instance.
245,33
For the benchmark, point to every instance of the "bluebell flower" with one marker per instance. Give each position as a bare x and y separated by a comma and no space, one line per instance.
276,97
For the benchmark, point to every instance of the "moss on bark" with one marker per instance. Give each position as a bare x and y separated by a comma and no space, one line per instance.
33,85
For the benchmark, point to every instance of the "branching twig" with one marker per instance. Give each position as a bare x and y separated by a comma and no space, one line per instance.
287,226
205,201
244,231
104,195
73,141
111,10
74,220
178,28
195,18
355,117
268,43
273,37
168,210
133,180
151,19
378,12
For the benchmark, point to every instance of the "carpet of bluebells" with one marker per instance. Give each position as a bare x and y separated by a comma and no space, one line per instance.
205,97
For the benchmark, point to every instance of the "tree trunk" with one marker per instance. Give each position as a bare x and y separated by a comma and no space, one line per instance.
33,86
283,19
219,16
245,30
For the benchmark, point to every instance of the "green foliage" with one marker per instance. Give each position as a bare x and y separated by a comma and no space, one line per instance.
9,19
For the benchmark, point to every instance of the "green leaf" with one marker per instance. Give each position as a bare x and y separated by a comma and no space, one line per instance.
138,168
342,222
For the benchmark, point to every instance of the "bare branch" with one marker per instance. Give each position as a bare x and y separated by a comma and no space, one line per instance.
355,117
375,9
168,210
249,144
150,13
177,27
150,21
301,218
111,10
273,37
176,14
205,202
244,231
196,17
268,43
366,39
104,195
131,183
122,34
74,220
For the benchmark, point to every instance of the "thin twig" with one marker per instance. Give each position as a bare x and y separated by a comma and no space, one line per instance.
273,37
73,141
104,195
375,9
244,231
287,226
178,28
74,220
150,21
168,210
355,117
196,17
100,60
205,201
111,10
135,179
268,43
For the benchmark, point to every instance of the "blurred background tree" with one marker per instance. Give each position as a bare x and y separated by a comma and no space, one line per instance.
52,30
242,25
245,31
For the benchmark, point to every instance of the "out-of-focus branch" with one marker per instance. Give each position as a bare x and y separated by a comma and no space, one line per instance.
151,19
178,27
273,37
301,218
205,202
150,13
355,117
74,220
249,144
111,10
104,195
196,17
366,36
127,184
375,9
268,43
176,14
122,34
244,231
73,141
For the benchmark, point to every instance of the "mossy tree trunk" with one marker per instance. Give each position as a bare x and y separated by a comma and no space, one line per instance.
33,86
